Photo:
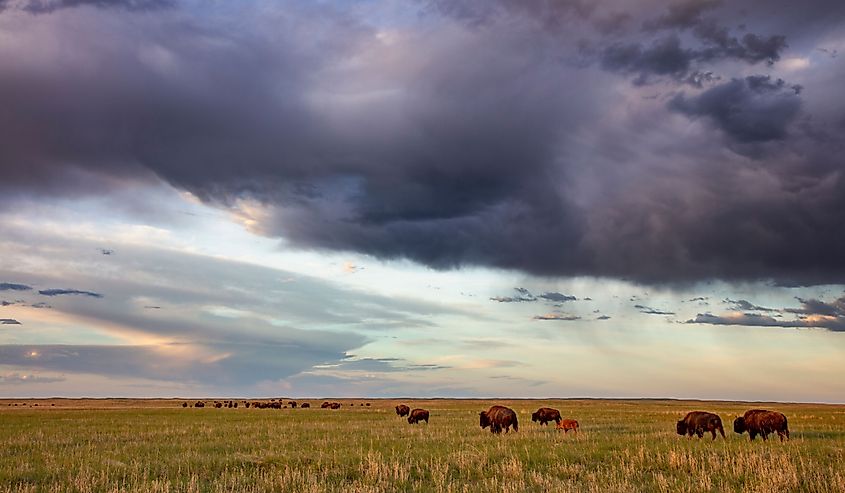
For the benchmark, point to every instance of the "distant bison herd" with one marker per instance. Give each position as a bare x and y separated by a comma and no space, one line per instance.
499,418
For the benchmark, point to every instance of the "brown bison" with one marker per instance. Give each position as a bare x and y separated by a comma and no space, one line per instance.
418,415
700,422
325,404
403,410
498,417
292,404
335,405
305,405
762,422
199,404
546,414
184,404
566,425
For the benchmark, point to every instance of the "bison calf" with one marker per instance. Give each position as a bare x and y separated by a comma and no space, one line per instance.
566,425
762,422
418,415
498,418
700,422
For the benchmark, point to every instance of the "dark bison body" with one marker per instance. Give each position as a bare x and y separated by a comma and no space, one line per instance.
292,404
546,414
305,405
199,404
762,422
335,405
325,404
700,422
418,415
403,410
498,418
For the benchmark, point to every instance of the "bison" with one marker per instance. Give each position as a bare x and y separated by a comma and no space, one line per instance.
402,410
762,422
184,404
325,404
292,404
305,405
566,425
418,415
199,404
498,417
546,414
700,422
335,405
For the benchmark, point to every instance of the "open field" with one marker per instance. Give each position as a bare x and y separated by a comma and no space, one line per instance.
156,445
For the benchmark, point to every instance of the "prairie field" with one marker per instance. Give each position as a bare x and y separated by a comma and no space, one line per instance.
624,445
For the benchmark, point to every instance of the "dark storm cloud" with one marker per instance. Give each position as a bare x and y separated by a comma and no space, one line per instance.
487,140
683,15
664,56
8,286
64,292
9,321
47,6
753,109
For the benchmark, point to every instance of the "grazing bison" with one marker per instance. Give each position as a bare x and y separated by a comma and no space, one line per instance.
566,425
498,417
700,422
403,410
184,404
418,415
762,422
305,405
368,404
546,414
292,404
335,405
199,404
325,405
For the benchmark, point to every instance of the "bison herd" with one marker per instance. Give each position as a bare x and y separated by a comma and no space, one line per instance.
498,418
755,422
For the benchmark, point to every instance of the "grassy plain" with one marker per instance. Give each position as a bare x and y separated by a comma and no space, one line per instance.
630,446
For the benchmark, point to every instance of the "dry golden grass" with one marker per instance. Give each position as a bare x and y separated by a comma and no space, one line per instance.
630,446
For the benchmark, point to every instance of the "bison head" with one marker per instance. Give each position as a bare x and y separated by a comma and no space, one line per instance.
682,427
739,425
535,416
484,421
410,420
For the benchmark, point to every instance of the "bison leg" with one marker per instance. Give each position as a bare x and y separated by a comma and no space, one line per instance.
752,434
713,431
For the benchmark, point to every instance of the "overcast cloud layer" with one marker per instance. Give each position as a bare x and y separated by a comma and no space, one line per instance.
655,142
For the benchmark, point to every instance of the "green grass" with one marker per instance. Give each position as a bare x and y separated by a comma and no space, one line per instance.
622,446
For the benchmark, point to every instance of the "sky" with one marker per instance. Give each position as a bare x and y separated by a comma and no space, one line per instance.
423,198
